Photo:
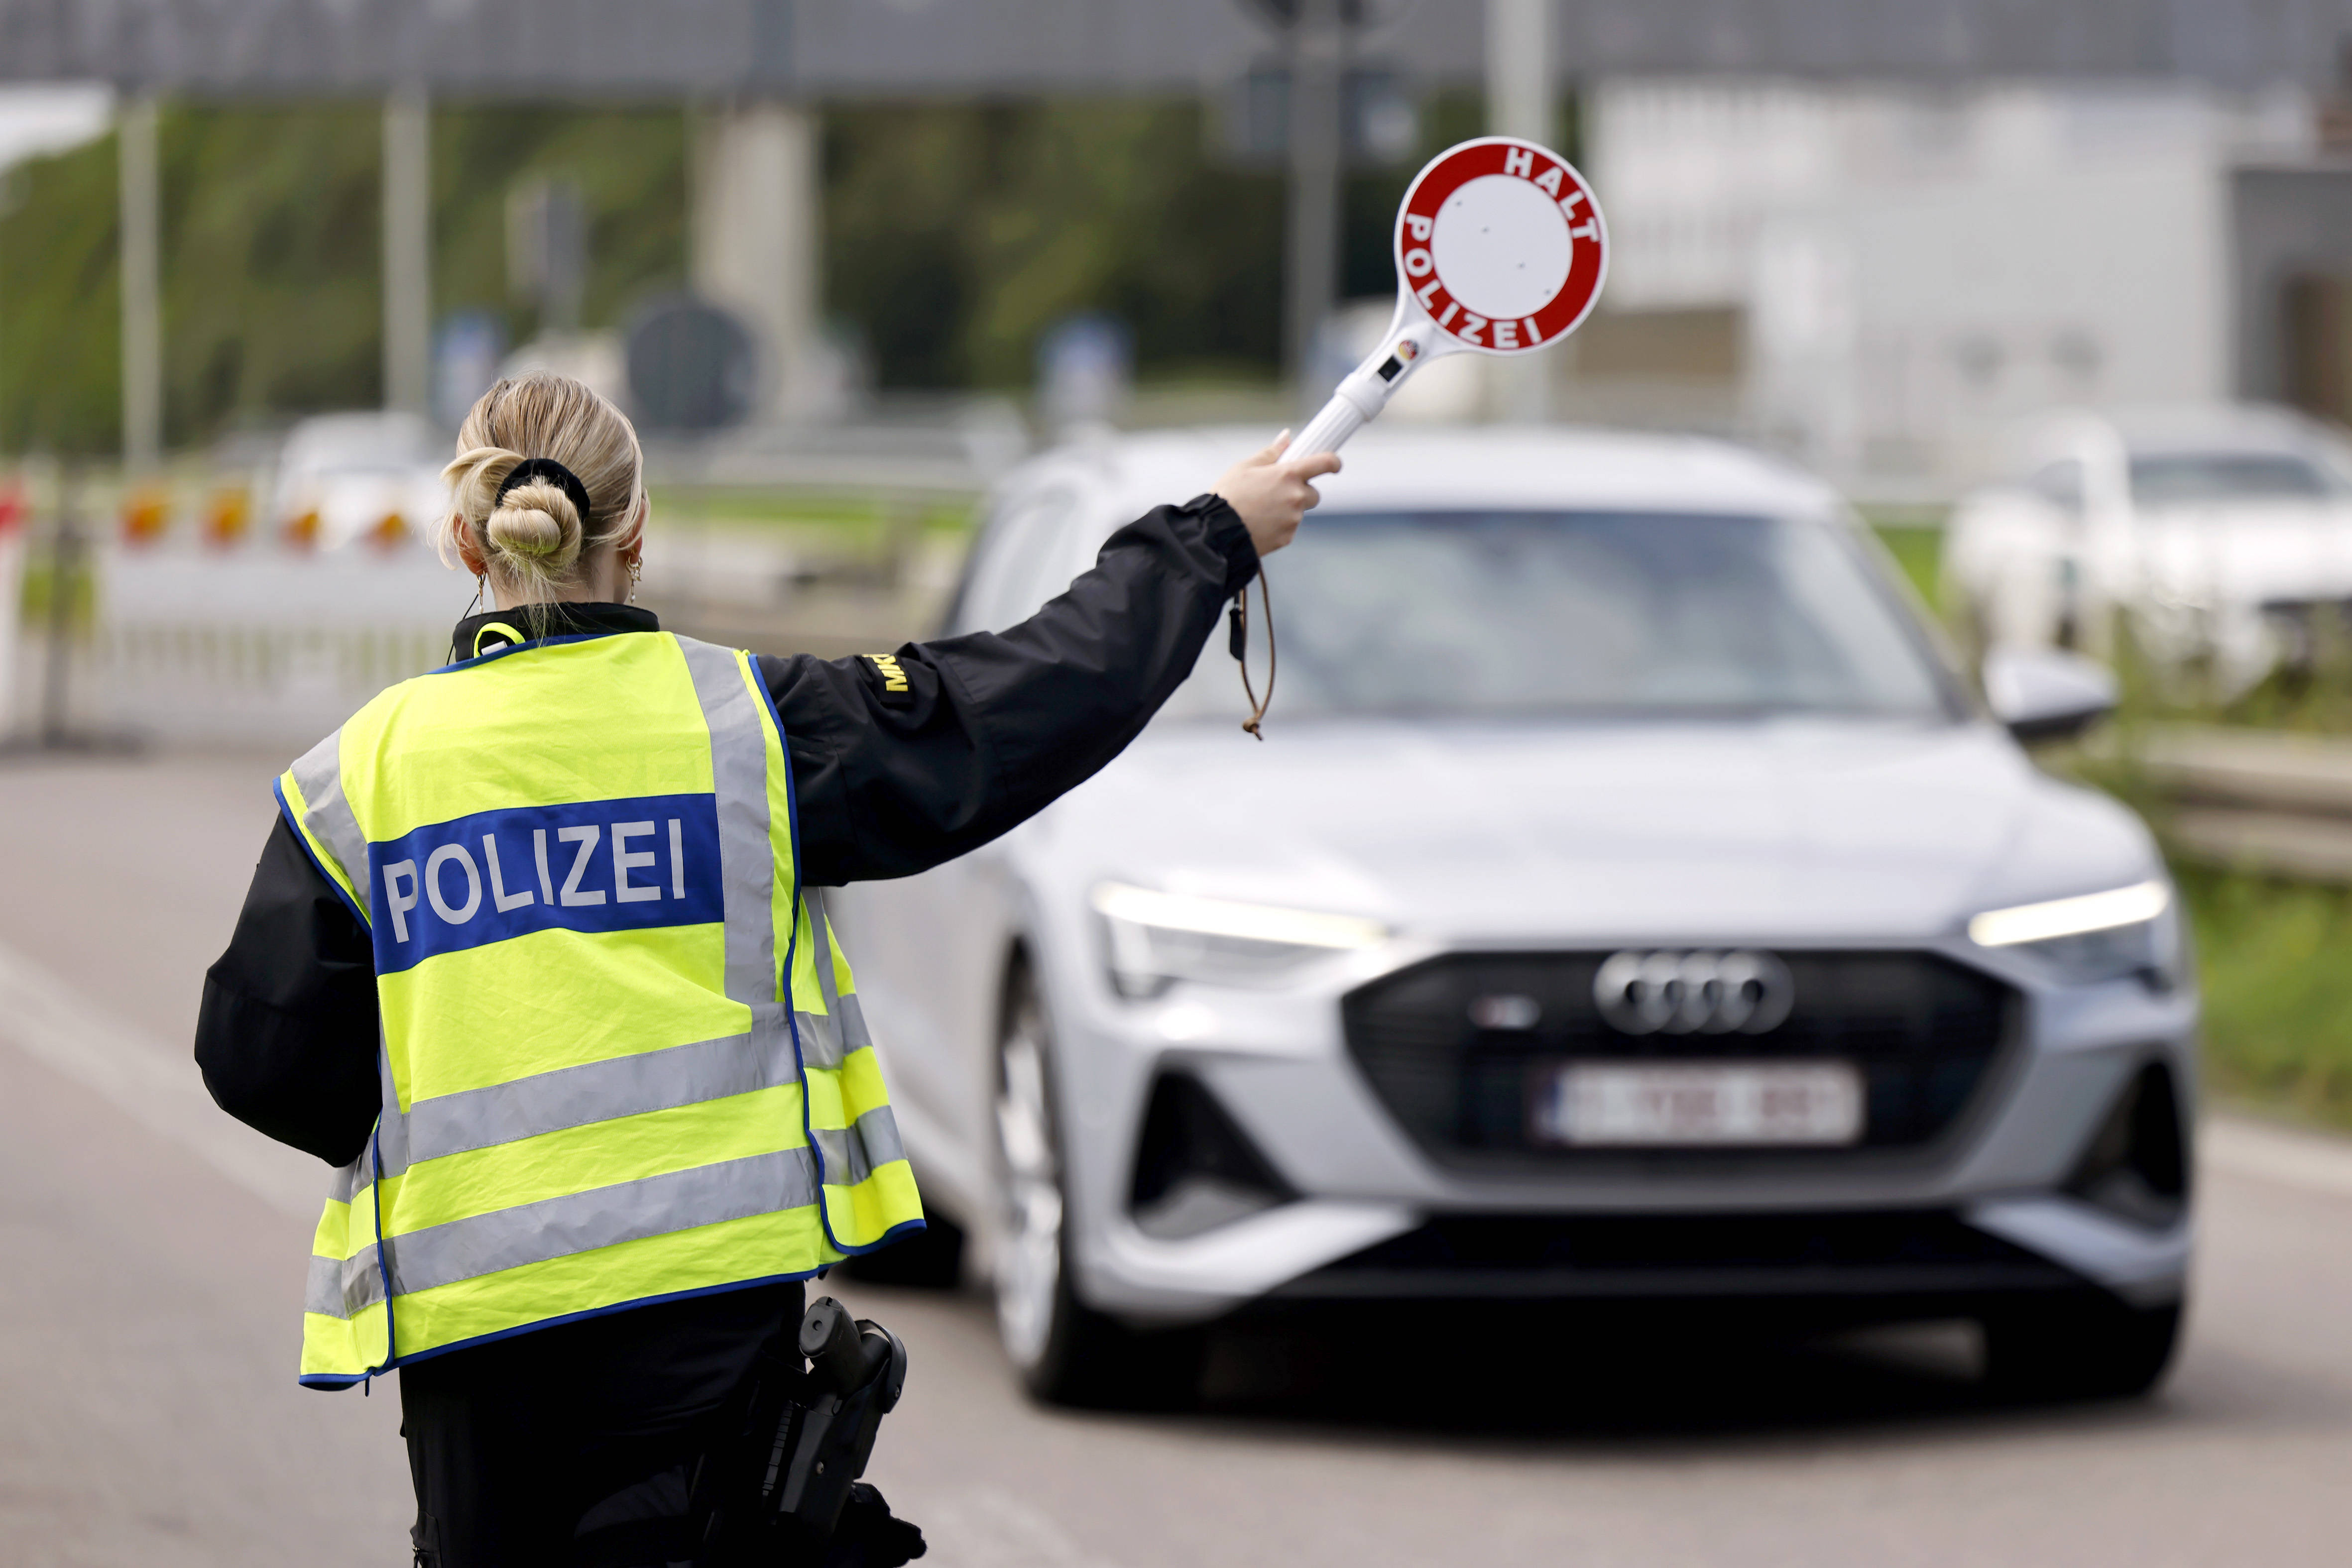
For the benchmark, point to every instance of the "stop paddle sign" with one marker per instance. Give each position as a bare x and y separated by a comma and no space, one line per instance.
1500,249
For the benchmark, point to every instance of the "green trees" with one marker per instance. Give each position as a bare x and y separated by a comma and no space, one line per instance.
272,237
955,235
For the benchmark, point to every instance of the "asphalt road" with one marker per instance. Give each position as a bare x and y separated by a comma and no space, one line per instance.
152,1261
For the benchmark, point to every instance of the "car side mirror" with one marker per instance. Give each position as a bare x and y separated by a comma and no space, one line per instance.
2046,694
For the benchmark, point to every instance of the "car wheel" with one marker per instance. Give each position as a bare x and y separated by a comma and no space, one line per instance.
2098,1349
1066,1353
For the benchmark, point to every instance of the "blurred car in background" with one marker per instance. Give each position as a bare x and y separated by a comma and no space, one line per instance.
342,478
1629,905
2225,532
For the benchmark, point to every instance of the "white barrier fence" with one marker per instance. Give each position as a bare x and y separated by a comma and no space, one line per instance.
263,644
256,646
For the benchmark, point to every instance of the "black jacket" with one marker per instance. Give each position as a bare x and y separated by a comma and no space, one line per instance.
990,728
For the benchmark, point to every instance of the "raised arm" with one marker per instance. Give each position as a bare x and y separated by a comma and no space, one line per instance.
896,771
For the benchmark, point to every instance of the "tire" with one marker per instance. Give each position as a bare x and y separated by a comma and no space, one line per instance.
2079,1349
1064,1351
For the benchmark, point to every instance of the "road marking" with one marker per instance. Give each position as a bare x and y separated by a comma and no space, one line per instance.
2313,1161
50,1021
988,1527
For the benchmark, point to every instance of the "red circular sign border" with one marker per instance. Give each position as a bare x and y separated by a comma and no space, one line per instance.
1588,263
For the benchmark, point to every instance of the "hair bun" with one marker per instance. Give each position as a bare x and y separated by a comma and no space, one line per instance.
538,522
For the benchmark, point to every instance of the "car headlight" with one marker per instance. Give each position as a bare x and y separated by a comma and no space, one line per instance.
2096,936
1154,938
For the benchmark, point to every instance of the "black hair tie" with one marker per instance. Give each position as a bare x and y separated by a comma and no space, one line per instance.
531,469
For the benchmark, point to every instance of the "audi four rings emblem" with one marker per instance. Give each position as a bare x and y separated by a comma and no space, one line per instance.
1694,993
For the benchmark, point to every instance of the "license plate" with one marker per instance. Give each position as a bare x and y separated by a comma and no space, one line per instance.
1699,1104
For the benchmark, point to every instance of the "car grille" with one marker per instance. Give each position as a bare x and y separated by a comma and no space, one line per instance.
1922,1031
1655,1256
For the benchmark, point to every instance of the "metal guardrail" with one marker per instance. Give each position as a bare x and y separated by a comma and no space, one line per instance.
2255,800
917,448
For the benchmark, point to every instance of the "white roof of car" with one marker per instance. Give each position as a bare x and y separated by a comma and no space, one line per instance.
2155,429
1452,469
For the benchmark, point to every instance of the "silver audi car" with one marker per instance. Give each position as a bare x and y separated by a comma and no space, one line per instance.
1630,905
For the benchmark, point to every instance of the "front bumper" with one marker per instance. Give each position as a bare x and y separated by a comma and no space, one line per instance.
1982,1209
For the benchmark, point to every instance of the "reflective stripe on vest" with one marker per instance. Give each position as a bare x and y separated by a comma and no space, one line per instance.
599,1085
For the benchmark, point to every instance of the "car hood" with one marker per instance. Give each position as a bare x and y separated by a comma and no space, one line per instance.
1754,830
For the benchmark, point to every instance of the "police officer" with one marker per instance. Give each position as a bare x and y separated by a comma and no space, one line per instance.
535,958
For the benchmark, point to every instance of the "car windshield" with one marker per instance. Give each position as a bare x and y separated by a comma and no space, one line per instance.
2195,479
1522,613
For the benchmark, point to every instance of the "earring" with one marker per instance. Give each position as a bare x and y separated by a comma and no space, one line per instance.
481,581
636,570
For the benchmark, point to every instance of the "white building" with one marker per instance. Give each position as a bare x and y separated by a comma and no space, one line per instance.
1902,270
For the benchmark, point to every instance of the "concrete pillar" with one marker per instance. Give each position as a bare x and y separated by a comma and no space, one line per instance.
1311,247
407,251
756,225
1519,102
139,186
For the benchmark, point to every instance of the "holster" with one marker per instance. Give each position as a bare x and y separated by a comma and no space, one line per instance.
781,1489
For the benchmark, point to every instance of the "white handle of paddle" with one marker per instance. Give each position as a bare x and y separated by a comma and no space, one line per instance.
1360,397
1332,425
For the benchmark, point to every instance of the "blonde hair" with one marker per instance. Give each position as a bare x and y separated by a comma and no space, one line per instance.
535,538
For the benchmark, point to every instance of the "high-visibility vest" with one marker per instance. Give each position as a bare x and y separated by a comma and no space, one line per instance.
622,1056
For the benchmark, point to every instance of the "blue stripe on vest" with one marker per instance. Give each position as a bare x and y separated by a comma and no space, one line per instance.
593,866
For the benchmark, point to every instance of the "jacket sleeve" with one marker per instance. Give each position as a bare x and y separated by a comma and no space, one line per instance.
287,1033
902,763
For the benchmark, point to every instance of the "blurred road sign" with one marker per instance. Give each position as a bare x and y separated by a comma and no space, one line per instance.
1500,249
692,366
1085,368
465,355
